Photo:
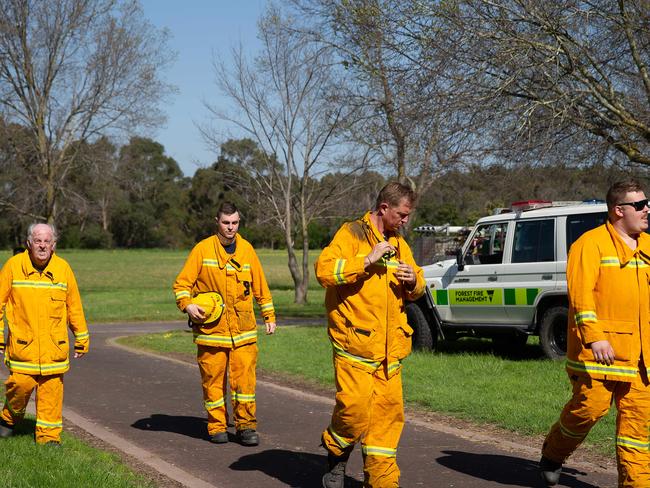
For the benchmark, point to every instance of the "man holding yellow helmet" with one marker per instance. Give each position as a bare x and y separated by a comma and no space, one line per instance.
216,288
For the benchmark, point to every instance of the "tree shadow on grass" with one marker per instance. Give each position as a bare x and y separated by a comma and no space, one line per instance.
506,470
195,427
294,469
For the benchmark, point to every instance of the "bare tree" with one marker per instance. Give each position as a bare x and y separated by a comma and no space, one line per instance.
570,71
391,51
70,70
286,102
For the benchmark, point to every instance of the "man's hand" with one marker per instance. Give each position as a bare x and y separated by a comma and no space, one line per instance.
195,312
603,352
78,355
406,274
270,328
378,251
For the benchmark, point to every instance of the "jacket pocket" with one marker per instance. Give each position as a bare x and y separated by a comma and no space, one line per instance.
619,335
20,348
402,343
60,348
58,304
360,340
245,316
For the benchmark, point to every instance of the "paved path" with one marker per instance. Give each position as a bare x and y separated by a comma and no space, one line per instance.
151,407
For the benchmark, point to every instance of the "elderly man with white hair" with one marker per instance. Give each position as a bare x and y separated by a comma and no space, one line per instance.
40,300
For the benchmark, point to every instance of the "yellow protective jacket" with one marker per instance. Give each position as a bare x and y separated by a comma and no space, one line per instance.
608,300
238,278
39,308
366,308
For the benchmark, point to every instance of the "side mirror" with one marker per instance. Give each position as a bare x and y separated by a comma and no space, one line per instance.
459,259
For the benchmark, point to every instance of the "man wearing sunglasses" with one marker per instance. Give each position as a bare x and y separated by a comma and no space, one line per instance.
608,351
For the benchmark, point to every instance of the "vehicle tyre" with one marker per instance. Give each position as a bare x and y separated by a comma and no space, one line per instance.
422,337
553,332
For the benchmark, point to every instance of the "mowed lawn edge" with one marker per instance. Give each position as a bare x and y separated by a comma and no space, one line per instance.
467,380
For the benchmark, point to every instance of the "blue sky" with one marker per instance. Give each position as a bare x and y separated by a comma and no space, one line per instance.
198,28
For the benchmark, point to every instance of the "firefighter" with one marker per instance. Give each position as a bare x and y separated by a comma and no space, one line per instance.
40,300
608,339
226,263
368,272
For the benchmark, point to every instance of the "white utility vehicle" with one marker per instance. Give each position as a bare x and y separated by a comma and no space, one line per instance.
508,280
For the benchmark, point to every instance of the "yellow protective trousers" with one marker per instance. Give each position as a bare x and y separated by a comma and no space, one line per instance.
49,403
218,365
369,407
591,400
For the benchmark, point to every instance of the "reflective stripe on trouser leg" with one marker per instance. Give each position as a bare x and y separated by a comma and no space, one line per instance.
19,388
49,408
351,412
591,400
632,453
379,445
212,363
243,361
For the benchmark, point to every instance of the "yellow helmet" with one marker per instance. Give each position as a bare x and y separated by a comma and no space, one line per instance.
212,305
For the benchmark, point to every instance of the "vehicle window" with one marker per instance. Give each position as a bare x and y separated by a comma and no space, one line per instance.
534,241
576,225
487,244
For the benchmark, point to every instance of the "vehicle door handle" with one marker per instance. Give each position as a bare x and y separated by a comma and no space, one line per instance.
547,277
492,278
461,280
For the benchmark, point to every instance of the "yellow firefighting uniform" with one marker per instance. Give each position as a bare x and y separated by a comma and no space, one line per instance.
370,337
608,300
39,306
232,340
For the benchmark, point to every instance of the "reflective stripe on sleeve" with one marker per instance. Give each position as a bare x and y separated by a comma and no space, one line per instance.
339,268
585,317
182,294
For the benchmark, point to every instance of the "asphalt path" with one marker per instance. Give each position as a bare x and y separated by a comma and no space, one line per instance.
151,407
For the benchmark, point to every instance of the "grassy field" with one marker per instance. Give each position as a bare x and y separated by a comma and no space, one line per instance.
466,379
23,464
135,284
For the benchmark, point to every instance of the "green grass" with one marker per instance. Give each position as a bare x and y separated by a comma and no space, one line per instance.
23,464
466,379
135,284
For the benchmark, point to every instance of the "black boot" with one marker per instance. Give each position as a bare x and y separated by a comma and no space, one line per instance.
335,477
550,471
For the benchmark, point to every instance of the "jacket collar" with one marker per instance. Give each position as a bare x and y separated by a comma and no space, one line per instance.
374,236
625,254
223,257
29,269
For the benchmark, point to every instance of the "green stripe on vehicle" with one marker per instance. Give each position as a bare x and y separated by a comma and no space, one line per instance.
441,297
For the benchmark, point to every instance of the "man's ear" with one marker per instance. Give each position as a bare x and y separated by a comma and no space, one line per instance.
381,210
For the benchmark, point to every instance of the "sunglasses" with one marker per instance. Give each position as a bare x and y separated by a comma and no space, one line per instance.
638,206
